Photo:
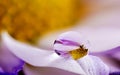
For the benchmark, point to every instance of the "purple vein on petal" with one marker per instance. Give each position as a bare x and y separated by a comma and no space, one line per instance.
62,53
66,42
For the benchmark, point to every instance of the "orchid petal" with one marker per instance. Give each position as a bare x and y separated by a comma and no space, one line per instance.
40,57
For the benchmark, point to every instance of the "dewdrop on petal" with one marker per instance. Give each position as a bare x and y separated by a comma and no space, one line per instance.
71,44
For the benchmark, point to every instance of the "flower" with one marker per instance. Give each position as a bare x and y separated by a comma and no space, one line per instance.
41,58
103,39
102,30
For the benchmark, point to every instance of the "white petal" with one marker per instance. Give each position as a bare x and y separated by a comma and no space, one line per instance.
100,39
67,64
103,39
26,52
39,57
93,65
102,30
31,70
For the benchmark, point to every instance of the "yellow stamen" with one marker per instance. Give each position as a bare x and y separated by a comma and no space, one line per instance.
78,53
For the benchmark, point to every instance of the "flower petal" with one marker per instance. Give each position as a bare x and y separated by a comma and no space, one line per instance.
1,70
102,29
100,38
26,52
74,45
103,39
68,64
90,65
31,70
111,57
9,63
75,39
39,57
88,62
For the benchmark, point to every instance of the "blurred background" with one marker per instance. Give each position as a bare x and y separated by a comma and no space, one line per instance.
28,20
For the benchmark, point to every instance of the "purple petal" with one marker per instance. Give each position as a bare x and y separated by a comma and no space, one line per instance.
115,73
115,52
66,42
110,57
62,47
8,61
1,70
69,41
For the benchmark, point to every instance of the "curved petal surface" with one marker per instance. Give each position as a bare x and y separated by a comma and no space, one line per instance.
39,57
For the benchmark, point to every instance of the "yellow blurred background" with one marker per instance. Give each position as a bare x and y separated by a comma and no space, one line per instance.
28,20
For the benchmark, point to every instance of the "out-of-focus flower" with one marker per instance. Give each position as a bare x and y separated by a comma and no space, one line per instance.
85,64
9,63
